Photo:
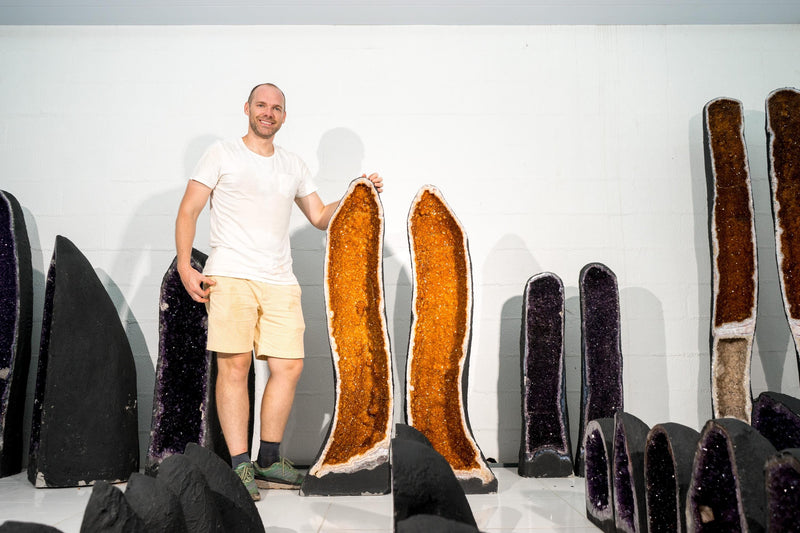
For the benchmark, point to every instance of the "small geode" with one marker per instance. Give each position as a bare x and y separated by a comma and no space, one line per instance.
783,490
601,349
777,417
354,459
734,262
16,310
598,444
441,327
630,436
726,492
545,449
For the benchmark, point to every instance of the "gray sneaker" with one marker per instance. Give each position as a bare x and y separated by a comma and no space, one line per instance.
246,474
279,475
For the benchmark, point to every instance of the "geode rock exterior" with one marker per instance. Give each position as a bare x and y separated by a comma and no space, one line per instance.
16,310
601,349
734,263
783,130
598,444
108,511
423,482
159,509
630,509
438,349
783,491
777,417
184,405
545,449
84,412
668,458
354,459
181,476
726,492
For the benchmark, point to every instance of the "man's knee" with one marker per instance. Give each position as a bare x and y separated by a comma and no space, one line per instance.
233,367
287,369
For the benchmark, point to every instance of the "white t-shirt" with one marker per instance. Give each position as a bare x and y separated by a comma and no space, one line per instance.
251,200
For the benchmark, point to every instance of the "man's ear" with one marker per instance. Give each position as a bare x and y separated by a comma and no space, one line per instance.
247,108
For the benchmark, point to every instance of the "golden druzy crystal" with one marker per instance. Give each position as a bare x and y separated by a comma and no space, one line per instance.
361,429
440,333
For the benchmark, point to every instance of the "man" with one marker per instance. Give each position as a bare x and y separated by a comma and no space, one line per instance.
252,296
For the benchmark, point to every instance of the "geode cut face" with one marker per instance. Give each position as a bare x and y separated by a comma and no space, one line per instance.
598,444
360,433
777,417
630,435
783,490
84,426
438,351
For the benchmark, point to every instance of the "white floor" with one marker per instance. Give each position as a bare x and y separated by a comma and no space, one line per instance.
521,504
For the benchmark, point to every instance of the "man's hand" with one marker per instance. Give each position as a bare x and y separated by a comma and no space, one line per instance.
196,284
376,180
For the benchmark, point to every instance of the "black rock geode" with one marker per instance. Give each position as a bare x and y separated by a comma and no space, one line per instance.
783,491
84,413
158,507
598,444
601,349
545,449
726,492
108,511
734,263
16,310
630,509
668,458
184,405
777,417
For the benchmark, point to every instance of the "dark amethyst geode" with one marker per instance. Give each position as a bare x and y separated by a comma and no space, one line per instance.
16,310
184,408
668,460
726,491
84,426
783,490
598,444
630,436
601,349
545,449
777,417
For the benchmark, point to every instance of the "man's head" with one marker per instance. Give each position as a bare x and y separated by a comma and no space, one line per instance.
266,110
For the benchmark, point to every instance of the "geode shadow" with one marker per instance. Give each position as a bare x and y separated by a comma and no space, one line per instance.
84,425
16,311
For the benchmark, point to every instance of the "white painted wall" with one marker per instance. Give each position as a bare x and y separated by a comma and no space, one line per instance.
556,146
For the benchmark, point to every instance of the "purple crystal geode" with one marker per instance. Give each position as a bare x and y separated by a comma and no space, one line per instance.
84,426
601,349
630,436
777,417
726,491
16,310
598,444
545,449
668,460
783,491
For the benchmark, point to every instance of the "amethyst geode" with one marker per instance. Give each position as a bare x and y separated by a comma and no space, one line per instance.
84,411
630,436
777,417
668,460
16,309
183,401
601,349
598,444
545,449
726,491
783,491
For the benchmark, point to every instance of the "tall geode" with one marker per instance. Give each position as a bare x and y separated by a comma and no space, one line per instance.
545,449
84,412
184,407
668,458
601,349
16,310
441,327
354,459
734,264
783,161
726,491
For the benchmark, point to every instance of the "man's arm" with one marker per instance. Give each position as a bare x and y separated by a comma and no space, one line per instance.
318,213
192,204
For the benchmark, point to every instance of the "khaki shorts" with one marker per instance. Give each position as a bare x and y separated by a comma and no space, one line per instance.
244,315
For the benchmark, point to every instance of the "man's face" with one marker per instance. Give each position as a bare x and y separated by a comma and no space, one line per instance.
266,112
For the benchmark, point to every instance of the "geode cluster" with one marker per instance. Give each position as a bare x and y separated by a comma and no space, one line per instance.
545,449
438,351
733,258
16,310
354,458
84,426
601,349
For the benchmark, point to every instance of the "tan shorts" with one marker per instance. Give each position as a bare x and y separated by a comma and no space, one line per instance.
244,315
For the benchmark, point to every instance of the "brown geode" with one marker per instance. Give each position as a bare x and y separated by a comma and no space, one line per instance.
440,338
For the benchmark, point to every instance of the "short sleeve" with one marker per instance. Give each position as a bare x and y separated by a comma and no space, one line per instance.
208,169
306,184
